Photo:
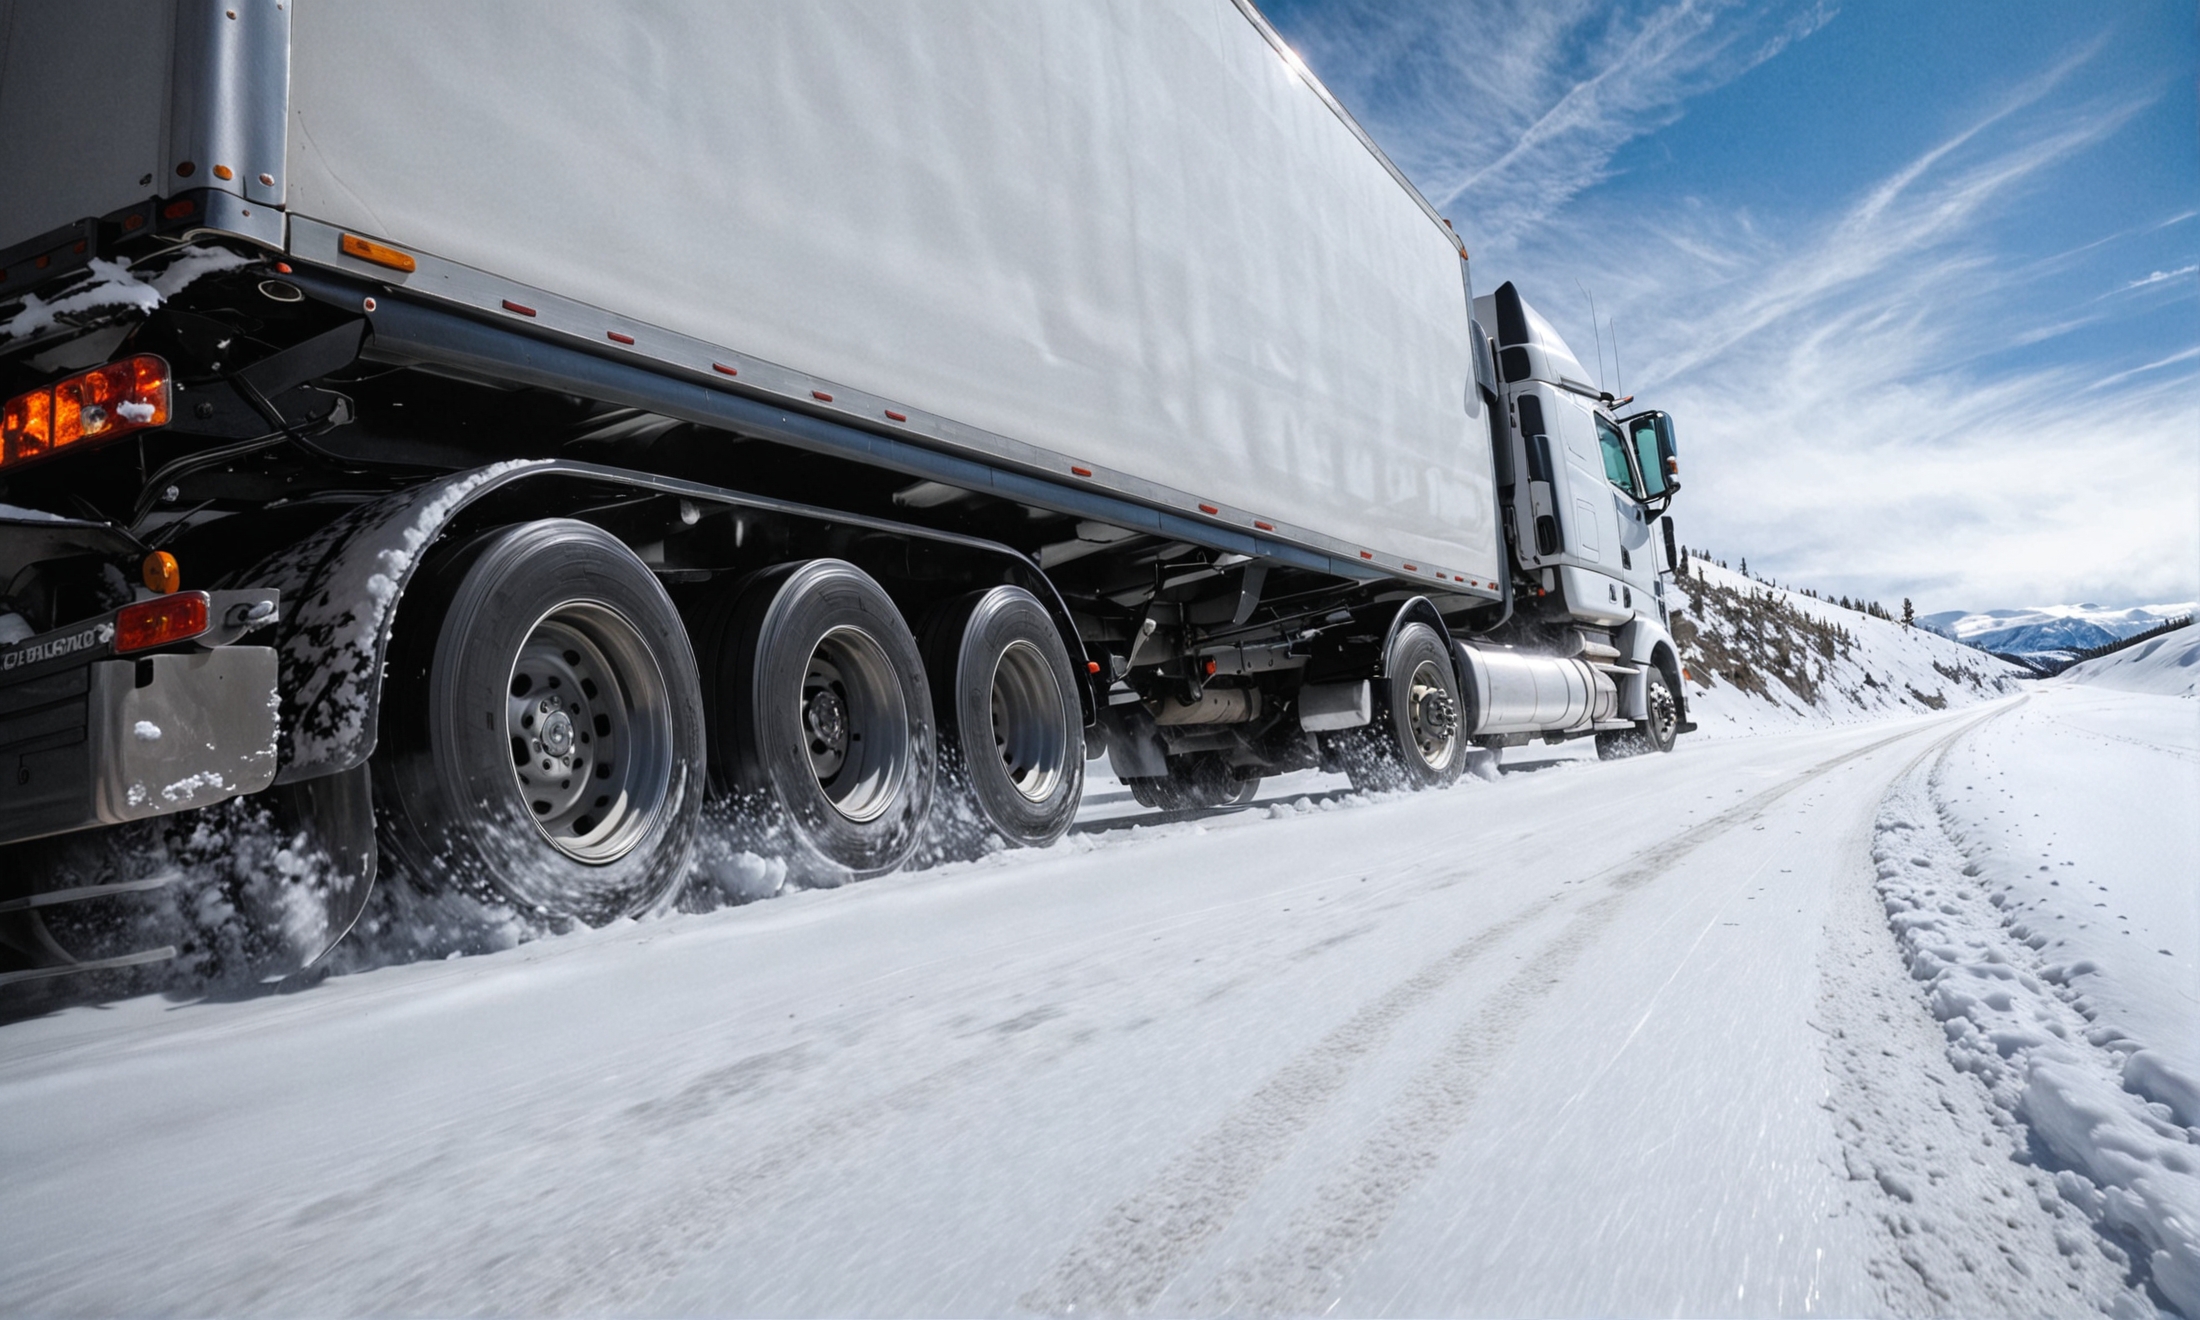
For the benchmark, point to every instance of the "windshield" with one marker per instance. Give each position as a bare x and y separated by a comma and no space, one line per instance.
1615,457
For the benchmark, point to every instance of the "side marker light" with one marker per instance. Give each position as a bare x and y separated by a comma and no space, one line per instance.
161,621
367,250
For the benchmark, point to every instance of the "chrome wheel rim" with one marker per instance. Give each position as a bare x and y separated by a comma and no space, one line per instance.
589,717
853,722
1664,713
1028,737
1432,715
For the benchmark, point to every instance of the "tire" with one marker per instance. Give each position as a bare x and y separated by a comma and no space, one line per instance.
543,733
823,706
1655,733
1414,740
1194,782
1011,729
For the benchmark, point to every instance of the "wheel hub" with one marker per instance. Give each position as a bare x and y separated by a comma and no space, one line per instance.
853,723
827,720
1433,715
588,716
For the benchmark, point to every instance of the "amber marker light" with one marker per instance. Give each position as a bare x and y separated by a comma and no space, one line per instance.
160,621
366,249
161,573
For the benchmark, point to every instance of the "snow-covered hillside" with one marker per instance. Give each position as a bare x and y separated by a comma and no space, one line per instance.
2050,634
1761,657
2168,666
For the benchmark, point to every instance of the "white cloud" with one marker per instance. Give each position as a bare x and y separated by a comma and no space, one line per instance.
1849,416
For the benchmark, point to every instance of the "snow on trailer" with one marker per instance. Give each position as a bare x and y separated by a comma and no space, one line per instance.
823,421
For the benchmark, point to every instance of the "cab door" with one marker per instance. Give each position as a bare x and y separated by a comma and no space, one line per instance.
1635,560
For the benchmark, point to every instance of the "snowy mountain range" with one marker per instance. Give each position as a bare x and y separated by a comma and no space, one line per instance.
1761,657
2050,634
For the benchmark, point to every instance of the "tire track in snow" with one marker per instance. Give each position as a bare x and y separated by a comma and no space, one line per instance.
1960,1228
1146,1241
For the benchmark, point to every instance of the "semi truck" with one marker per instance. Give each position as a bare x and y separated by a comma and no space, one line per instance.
489,435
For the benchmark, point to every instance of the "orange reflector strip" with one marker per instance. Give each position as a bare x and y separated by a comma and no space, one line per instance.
617,338
224,172
161,572
1076,471
1365,555
1264,526
522,308
351,245
160,622
893,416
821,396
723,370
1411,569
1209,508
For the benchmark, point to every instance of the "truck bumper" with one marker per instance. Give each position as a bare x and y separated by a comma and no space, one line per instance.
122,740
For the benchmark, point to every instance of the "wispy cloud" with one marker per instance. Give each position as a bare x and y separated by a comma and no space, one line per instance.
1519,107
1851,420
2161,277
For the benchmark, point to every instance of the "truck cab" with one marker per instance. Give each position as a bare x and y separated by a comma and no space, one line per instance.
1590,487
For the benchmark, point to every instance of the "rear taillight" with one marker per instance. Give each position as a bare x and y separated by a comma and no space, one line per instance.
88,408
161,621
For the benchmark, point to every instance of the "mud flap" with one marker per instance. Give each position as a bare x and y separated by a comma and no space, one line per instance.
335,813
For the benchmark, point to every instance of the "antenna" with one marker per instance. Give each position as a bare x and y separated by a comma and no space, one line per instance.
1619,378
1596,328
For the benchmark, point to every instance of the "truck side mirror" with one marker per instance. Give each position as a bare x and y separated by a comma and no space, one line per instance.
1657,454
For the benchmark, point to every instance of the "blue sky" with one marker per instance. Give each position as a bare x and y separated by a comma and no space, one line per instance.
1920,282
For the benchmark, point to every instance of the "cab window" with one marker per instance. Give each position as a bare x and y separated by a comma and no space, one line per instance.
1615,457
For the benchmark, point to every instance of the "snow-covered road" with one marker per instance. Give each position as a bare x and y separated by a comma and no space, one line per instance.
1608,1038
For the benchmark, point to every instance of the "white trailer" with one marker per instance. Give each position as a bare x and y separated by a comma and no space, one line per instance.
864,411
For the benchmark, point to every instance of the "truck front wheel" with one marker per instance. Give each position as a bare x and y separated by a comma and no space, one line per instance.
542,737
1657,732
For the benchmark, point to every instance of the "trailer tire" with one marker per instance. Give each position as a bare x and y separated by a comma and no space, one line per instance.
1012,732
1415,739
1195,782
823,706
543,733
1656,733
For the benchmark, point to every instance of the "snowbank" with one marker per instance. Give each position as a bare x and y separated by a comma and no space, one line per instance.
2039,878
1762,658
2167,666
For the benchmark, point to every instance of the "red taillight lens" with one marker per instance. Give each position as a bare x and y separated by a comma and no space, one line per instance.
160,621
26,426
95,405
